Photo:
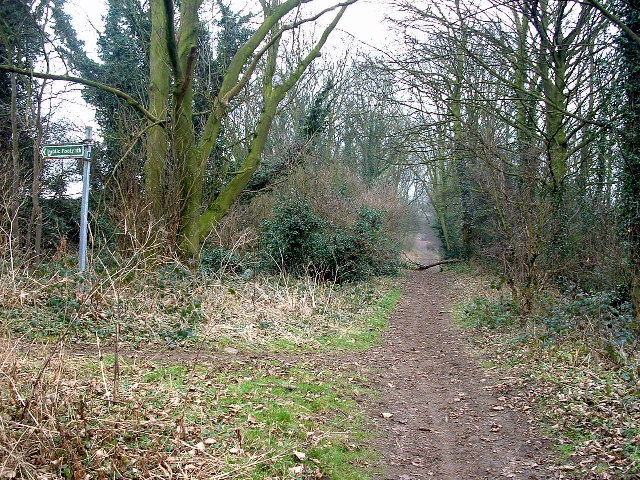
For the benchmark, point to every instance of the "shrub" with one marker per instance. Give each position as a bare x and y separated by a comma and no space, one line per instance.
483,312
601,316
221,259
299,241
601,320
294,238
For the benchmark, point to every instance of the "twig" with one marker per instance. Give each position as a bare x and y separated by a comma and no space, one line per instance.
116,363
104,377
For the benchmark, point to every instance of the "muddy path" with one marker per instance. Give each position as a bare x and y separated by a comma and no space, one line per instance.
439,413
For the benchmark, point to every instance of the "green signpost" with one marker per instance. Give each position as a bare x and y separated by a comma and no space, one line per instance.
63,151
84,151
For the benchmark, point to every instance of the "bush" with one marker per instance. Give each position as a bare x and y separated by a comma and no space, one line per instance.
482,312
379,254
602,316
221,259
601,320
294,239
300,241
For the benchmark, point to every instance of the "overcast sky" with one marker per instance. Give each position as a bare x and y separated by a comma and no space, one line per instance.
361,27
363,22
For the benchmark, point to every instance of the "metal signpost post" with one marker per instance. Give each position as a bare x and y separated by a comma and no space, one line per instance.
84,211
84,151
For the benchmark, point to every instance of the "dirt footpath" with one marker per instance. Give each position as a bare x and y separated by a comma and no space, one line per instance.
439,413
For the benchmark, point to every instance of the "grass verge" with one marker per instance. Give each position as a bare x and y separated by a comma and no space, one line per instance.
175,309
195,408
83,418
589,404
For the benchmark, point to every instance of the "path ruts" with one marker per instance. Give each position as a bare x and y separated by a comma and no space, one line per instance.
446,422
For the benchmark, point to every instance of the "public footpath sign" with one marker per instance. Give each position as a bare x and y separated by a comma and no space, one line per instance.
64,151
84,151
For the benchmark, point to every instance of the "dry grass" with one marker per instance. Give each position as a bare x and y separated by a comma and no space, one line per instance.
173,307
60,418
290,314
70,410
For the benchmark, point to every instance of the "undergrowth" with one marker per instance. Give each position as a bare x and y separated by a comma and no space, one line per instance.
298,240
92,389
175,308
576,360
242,420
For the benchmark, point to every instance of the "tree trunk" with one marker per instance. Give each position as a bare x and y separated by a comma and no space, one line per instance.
630,185
14,201
159,83
36,184
459,156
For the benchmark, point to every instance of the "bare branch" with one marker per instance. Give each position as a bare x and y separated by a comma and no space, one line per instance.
83,81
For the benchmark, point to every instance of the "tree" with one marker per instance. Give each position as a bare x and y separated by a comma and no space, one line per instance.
24,119
514,105
630,174
171,134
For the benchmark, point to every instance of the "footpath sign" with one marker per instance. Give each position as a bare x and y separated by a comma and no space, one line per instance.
63,151
84,151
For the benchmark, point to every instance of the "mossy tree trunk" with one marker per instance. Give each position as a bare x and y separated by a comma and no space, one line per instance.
630,185
176,52
176,155
459,151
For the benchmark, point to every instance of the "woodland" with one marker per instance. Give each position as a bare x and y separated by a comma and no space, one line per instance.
255,188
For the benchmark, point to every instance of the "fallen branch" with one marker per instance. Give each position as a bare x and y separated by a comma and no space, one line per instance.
419,266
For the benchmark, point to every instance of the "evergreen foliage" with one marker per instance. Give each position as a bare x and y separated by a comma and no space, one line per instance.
317,119
630,172
299,241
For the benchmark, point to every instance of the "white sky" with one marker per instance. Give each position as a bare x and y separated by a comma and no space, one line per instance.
362,26
363,20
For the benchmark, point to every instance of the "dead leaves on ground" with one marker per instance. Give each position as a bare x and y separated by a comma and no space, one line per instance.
592,411
170,421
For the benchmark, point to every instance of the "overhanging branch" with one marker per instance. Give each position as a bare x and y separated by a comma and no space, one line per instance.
615,20
89,83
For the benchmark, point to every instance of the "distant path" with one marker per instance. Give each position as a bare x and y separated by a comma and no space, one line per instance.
447,421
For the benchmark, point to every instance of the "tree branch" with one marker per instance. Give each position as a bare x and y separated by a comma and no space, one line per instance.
419,266
615,20
188,77
313,54
90,83
172,48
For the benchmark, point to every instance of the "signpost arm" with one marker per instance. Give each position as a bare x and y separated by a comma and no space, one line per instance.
84,210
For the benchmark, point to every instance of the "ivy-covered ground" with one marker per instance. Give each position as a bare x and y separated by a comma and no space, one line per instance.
574,365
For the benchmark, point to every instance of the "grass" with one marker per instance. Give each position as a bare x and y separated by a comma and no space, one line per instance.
245,420
192,412
265,313
364,334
